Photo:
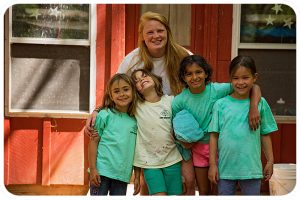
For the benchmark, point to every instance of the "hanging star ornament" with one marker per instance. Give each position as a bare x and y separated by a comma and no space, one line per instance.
270,20
35,13
55,12
277,8
32,12
288,22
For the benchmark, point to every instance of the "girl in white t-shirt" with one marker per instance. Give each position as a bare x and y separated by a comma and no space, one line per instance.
156,151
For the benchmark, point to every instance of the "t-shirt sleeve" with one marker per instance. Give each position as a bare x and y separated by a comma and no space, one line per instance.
128,62
223,89
124,66
100,122
268,123
175,106
214,125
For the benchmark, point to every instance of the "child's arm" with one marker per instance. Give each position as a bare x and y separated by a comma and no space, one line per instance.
254,116
267,148
213,173
137,186
92,152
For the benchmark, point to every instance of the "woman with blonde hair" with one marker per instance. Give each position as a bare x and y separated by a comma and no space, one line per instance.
157,52
160,54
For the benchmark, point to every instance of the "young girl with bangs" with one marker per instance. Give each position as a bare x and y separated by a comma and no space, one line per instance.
238,147
111,153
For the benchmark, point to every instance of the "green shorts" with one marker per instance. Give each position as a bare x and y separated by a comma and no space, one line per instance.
166,180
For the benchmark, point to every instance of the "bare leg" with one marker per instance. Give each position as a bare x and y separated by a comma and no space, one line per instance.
203,182
189,177
144,188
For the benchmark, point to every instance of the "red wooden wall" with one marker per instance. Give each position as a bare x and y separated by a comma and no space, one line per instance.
48,151
44,151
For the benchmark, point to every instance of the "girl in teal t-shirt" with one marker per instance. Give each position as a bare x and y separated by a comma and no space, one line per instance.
198,98
237,146
111,154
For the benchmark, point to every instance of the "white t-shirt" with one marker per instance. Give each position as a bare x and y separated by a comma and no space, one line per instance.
155,143
159,68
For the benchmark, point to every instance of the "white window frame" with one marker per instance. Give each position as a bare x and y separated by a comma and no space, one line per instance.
91,42
236,45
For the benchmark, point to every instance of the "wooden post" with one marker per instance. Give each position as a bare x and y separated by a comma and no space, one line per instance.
46,152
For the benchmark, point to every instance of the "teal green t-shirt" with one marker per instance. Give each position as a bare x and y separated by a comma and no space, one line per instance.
116,148
239,148
200,105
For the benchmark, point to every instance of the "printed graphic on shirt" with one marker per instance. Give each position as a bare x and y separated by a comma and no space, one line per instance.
165,114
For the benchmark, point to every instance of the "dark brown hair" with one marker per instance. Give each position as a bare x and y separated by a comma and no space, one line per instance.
157,81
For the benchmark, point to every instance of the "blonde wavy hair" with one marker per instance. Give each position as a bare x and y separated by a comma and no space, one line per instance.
174,53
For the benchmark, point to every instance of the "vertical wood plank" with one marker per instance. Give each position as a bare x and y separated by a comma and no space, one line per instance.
46,152
180,23
222,74
131,26
198,30
225,32
6,149
117,36
102,47
213,12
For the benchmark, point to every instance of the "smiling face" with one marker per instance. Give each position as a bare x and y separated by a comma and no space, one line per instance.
143,82
195,78
121,95
155,37
242,80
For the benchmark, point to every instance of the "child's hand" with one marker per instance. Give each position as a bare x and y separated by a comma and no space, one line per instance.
95,179
213,173
137,185
187,145
254,118
268,171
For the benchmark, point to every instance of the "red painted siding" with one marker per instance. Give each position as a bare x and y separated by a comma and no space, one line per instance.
45,151
24,153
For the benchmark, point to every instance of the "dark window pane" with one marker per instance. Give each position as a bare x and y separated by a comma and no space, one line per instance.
267,23
49,77
277,78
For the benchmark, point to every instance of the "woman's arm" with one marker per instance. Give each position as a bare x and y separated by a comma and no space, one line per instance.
254,115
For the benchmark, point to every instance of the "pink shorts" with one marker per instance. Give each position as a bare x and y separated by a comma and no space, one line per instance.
200,153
